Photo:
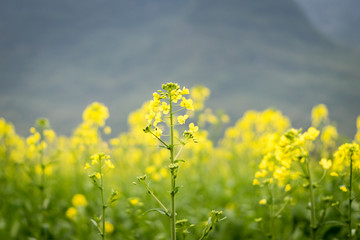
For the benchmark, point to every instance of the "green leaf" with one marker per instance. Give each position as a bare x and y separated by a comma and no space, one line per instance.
334,222
96,224
159,210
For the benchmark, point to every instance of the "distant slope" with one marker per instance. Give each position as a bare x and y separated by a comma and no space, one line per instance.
251,54
338,20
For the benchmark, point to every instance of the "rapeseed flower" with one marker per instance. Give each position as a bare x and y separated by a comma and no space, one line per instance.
182,119
319,114
96,113
109,228
343,188
71,213
79,200
325,163
263,201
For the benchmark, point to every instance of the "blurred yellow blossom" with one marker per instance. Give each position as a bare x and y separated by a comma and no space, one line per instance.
182,119
109,228
319,114
325,163
71,213
262,201
79,200
96,113
343,188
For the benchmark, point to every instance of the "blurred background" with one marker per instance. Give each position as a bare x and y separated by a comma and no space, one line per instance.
57,57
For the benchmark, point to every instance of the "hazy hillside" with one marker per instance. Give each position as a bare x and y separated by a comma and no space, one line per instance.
338,20
58,57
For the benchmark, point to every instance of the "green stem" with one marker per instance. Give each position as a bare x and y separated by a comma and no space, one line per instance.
171,147
350,197
272,215
312,199
102,200
42,184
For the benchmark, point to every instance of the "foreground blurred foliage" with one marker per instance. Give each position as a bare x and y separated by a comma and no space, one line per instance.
257,172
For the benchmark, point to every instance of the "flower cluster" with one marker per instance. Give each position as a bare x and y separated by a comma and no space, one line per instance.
78,201
96,113
291,147
99,161
165,103
319,114
346,153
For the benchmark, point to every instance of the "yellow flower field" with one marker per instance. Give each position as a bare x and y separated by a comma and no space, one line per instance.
181,171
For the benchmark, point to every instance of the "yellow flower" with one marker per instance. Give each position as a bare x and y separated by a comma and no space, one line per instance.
192,128
71,213
165,108
187,103
325,163
150,116
256,182
263,201
319,113
329,134
199,94
311,134
182,119
79,200
287,187
94,161
157,119
49,135
109,228
96,113
87,166
150,169
109,163
47,169
343,188
107,130
98,175
33,139
343,154
134,201
185,91
32,130
156,96
261,173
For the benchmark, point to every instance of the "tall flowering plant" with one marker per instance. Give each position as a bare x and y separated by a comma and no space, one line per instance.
169,109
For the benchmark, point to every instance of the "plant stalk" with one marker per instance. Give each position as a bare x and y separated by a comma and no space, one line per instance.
350,197
173,215
102,200
312,201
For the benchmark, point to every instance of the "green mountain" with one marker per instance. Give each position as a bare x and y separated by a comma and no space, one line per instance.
252,55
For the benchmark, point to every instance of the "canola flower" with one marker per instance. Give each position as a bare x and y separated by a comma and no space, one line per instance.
96,113
163,105
79,200
100,162
346,163
292,149
319,114
162,110
71,213
109,228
